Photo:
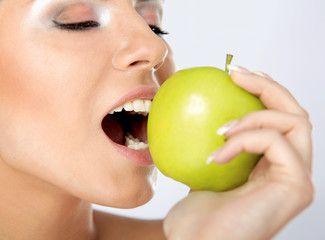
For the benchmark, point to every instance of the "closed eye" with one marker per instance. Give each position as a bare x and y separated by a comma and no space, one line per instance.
87,25
78,26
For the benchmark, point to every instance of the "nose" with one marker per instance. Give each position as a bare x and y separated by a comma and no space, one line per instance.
139,48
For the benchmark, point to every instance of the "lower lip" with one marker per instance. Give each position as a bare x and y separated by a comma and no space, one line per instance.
140,157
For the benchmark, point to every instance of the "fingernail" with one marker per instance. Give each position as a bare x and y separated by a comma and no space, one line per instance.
210,160
225,128
259,74
235,68
212,157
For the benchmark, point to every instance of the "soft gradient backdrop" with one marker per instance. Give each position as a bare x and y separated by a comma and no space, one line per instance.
284,38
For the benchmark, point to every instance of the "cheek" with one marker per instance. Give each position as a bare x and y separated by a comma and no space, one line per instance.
35,101
37,88
47,77
37,114
46,94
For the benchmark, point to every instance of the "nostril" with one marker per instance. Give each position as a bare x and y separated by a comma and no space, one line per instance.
140,63
159,65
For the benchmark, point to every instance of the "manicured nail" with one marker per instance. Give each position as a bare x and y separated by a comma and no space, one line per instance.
210,160
259,74
225,128
235,68
212,157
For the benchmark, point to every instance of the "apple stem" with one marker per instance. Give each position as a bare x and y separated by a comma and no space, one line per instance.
228,61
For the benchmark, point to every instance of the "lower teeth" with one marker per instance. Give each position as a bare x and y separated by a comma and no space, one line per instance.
134,143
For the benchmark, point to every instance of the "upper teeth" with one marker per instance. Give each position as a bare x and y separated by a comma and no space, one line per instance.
140,106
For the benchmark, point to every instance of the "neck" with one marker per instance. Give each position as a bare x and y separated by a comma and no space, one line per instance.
32,209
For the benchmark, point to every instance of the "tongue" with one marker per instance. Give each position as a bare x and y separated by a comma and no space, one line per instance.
113,130
139,129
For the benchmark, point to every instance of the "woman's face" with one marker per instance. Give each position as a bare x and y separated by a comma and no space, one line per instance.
64,66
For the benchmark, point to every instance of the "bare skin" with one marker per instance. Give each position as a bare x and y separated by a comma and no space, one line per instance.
57,85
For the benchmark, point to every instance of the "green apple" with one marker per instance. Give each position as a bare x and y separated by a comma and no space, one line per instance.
185,114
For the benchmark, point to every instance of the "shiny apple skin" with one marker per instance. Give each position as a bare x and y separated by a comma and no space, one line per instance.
185,114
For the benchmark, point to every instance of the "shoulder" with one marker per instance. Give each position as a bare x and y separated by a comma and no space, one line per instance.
109,226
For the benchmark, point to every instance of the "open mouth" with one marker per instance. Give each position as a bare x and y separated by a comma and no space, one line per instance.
127,125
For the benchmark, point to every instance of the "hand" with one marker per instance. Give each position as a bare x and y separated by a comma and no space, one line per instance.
279,187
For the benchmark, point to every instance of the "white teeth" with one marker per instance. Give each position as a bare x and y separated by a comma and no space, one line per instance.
140,106
147,105
128,106
134,143
119,109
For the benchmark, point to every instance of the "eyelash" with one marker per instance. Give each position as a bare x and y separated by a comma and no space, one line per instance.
157,30
87,25
78,26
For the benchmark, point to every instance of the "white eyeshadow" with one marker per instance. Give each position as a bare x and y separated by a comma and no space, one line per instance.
40,8
103,15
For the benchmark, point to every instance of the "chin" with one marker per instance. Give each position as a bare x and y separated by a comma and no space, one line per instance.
129,192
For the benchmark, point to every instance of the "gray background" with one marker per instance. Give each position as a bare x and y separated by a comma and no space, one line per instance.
284,38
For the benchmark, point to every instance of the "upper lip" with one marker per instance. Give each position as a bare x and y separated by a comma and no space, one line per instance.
137,93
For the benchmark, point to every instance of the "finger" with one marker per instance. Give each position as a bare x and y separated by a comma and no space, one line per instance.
273,95
270,142
296,128
282,121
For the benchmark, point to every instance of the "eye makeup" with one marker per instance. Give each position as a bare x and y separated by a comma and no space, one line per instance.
157,30
45,13
80,15
150,10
